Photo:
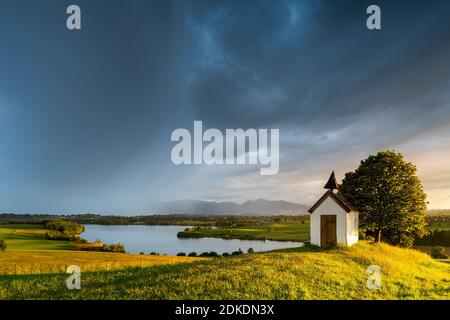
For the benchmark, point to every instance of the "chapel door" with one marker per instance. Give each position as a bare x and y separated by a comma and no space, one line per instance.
327,231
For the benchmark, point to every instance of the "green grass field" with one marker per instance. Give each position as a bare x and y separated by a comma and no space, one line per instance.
28,252
439,226
33,268
287,274
56,261
30,237
274,231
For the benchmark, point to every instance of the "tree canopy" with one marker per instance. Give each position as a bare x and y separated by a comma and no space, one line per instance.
63,230
389,196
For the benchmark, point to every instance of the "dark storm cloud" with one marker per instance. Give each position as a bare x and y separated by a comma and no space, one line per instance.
86,117
322,69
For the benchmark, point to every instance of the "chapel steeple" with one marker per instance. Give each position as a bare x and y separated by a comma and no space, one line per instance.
331,184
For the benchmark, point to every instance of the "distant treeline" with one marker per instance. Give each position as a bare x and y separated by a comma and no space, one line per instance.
439,212
439,235
435,238
438,220
219,221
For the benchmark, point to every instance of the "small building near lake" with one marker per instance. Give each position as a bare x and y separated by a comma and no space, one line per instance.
334,221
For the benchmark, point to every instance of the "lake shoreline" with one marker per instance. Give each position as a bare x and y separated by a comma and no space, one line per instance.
164,240
193,235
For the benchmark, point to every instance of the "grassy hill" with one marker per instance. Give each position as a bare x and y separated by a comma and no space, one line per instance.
304,273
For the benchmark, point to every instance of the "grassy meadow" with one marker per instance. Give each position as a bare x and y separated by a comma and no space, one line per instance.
30,237
305,273
439,226
56,261
34,268
272,231
28,252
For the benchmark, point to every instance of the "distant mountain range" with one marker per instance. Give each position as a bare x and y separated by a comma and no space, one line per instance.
251,207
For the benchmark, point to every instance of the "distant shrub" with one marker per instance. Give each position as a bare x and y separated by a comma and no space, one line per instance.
63,230
153,253
192,254
438,253
213,254
236,253
141,252
2,245
120,248
204,254
181,254
225,254
250,250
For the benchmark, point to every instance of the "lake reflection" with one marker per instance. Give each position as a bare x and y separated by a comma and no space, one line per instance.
163,239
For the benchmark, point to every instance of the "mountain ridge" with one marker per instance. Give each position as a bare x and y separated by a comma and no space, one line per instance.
249,207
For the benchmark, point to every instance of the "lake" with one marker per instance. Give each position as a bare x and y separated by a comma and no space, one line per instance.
164,240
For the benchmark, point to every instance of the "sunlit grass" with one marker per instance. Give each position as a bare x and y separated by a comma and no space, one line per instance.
50,261
306,273
31,237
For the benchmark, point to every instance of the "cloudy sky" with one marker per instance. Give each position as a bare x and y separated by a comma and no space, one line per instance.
86,116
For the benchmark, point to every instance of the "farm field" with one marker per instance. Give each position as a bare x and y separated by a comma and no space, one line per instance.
304,273
54,261
31,237
439,226
28,252
274,231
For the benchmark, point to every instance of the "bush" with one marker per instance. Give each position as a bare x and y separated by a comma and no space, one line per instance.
153,253
192,254
2,245
236,253
204,254
63,230
438,253
120,248
181,254
361,235
213,254
225,254
250,250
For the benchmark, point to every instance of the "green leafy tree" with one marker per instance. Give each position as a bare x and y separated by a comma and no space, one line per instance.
63,230
389,197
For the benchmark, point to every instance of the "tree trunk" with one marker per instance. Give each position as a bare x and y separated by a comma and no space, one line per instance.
378,235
